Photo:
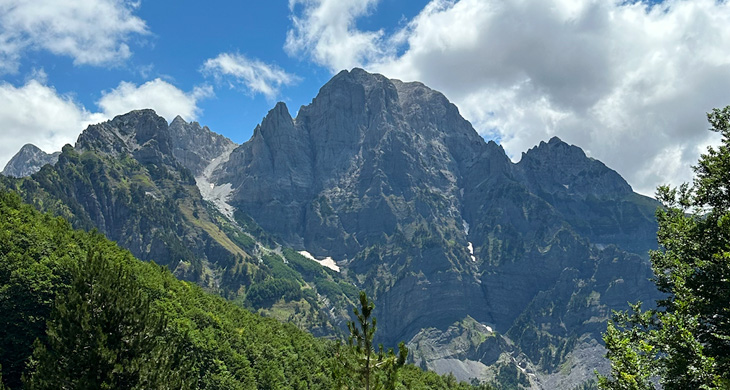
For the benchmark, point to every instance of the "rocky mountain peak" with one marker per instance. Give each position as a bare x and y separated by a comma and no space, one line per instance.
558,167
141,132
29,160
277,120
178,121
387,179
195,146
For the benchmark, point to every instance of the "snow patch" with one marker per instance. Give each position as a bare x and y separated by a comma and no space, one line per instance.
567,187
218,195
326,262
466,227
470,247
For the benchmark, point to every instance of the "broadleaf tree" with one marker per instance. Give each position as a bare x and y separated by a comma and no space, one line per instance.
683,343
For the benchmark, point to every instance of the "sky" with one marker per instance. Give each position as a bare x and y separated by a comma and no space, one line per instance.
630,82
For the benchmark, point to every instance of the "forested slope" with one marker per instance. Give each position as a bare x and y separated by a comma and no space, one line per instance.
80,312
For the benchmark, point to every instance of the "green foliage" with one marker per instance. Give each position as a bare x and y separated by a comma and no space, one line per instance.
309,269
103,334
128,317
79,312
685,342
266,293
361,338
590,385
371,369
510,377
37,254
249,225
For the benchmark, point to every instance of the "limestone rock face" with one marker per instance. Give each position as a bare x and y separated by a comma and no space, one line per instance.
388,179
29,160
556,167
593,198
123,179
195,146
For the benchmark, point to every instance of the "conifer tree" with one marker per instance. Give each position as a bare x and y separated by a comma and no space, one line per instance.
361,336
685,342
375,370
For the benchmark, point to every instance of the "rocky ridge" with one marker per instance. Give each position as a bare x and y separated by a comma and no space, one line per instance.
29,160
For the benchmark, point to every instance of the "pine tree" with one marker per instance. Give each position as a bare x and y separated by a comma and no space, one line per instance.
375,370
361,336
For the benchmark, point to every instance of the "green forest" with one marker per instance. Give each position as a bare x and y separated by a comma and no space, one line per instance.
78,312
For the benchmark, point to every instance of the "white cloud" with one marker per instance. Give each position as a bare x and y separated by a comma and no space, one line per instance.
254,75
326,30
94,32
627,82
166,99
36,113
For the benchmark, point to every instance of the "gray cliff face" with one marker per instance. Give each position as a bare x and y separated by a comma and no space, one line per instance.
387,178
558,168
29,160
593,198
370,164
367,155
194,146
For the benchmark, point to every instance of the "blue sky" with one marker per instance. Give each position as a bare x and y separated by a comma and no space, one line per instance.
627,81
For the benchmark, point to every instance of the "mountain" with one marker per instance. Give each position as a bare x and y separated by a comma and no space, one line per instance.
388,179
489,269
123,178
28,161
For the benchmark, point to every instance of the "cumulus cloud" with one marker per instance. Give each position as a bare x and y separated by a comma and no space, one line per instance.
254,75
627,81
325,29
36,113
166,99
94,32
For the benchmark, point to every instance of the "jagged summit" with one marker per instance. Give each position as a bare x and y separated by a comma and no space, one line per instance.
195,146
557,166
29,160
374,164
141,132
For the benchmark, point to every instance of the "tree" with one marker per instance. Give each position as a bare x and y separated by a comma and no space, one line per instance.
103,334
374,370
685,342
